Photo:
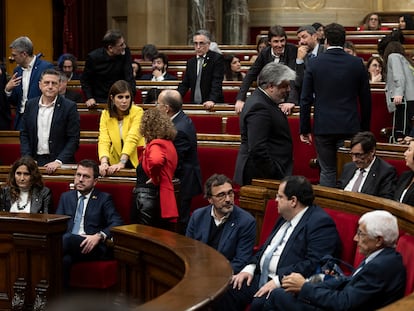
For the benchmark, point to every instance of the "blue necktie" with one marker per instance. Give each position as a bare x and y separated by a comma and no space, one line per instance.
78,215
266,262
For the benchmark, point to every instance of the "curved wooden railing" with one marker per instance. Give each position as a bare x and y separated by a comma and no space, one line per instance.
168,271
254,198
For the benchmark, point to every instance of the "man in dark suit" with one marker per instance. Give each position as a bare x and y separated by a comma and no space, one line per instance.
309,47
222,225
279,51
159,69
185,142
92,215
266,142
302,235
337,84
210,65
24,83
367,173
50,126
106,65
377,282
72,95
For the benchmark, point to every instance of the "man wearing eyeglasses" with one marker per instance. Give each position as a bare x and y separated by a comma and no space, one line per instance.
106,65
378,281
367,173
204,73
223,225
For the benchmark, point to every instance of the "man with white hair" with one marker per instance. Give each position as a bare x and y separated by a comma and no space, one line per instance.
378,281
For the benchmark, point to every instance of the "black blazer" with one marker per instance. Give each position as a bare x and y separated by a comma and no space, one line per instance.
402,183
288,58
379,182
266,143
40,201
64,132
337,85
211,78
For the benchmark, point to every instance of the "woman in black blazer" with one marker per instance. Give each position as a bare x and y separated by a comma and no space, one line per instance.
404,191
24,191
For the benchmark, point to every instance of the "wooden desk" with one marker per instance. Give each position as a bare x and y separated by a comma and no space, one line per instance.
167,271
30,259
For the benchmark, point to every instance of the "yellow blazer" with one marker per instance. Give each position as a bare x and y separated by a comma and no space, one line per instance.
109,143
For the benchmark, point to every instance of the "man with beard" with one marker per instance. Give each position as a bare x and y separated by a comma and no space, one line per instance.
159,69
223,225
266,143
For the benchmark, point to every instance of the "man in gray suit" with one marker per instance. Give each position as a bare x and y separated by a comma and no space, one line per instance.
367,173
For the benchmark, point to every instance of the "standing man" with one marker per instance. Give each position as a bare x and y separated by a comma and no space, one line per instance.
222,225
377,282
92,215
50,125
309,47
106,65
367,173
302,235
24,83
159,69
204,73
337,84
266,143
185,142
279,51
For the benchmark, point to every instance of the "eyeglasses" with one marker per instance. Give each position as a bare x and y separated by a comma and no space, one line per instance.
223,195
361,234
202,43
357,155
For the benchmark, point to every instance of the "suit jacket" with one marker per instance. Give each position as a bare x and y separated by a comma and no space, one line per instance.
16,96
74,96
238,237
167,77
112,145
379,282
288,58
313,237
100,214
334,82
266,143
102,70
211,78
403,181
40,201
188,168
64,132
379,182
159,162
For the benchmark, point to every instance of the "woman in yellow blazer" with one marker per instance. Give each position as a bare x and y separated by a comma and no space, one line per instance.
119,134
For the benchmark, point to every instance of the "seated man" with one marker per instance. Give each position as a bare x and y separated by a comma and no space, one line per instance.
302,235
377,282
159,69
367,173
223,225
92,213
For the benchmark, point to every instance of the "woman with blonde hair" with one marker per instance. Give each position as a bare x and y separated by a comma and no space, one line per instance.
154,199
119,135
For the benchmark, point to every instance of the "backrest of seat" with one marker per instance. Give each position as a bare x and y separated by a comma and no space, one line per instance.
405,247
269,220
207,124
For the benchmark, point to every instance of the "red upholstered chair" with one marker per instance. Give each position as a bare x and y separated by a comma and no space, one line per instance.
12,154
347,225
380,117
89,121
57,188
405,247
233,125
87,151
399,165
269,220
207,124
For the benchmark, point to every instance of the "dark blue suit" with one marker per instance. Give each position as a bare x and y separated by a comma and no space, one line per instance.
167,77
379,182
64,132
337,85
188,168
313,237
211,78
238,237
100,215
379,282
15,98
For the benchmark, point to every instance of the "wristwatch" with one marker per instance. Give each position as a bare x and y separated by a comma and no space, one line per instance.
124,161
103,236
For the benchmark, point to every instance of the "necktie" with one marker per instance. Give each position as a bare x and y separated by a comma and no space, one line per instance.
266,262
357,184
197,92
78,215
